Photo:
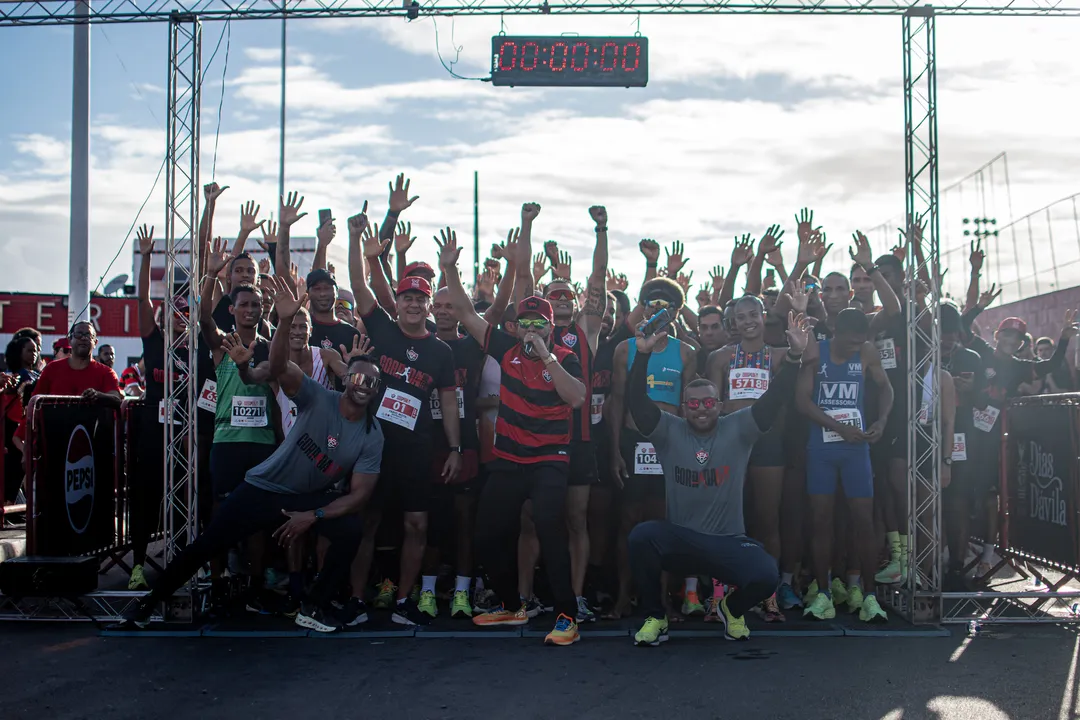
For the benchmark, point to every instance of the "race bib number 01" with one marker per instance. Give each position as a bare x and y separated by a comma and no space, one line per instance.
400,409
208,396
436,404
249,412
645,462
596,408
887,351
845,416
985,419
747,383
959,447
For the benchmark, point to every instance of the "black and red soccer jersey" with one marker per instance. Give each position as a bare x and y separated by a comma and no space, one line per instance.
573,339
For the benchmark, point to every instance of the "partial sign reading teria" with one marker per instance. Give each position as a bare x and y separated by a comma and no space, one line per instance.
569,61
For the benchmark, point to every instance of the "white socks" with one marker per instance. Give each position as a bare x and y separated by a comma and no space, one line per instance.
428,583
462,583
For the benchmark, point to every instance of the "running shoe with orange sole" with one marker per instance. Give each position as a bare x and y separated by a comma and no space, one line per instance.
500,616
565,632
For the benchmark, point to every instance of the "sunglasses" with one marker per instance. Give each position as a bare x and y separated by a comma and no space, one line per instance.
561,295
363,381
533,323
658,303
708,403
345,304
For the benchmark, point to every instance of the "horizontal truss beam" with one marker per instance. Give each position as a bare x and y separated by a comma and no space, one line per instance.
63,12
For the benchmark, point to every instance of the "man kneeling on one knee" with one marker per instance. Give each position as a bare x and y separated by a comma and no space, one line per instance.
704,457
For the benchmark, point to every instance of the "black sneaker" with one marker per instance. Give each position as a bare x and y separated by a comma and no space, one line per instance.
136,616
315,618
353,613
407,613
533,607
290,607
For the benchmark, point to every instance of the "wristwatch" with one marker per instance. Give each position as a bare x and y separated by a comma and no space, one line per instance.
319,514
946,461
456,448
550,358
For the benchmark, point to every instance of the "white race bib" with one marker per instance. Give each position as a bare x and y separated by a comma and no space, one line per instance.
747,383
436,404
596,408
208,396
161,413
959,447
645,462
887,351
400,408
985,419
846,416
249,412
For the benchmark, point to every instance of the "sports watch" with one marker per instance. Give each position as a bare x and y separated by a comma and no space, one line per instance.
319,514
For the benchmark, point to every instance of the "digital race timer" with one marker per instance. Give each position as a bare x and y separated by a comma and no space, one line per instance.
570,61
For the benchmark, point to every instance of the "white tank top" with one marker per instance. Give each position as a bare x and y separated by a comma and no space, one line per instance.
287,406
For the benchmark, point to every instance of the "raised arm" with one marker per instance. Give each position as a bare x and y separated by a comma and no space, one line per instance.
741,255
323,237
358,227
287,373
976,259
511,252
216,259
643,410
249,222
147,323
289,215
767,408
463,307
524,285
592,315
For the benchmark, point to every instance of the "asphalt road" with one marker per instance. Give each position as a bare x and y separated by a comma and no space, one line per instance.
59,672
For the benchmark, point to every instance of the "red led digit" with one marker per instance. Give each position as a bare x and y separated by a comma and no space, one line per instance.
614,56
525,57
556,48
574,57
631,47
503,67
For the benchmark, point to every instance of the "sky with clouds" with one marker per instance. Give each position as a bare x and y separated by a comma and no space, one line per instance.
744,121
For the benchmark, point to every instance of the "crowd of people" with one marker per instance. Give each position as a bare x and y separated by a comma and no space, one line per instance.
408,446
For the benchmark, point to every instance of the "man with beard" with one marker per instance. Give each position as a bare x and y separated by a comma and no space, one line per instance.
106,356
712,335
416,366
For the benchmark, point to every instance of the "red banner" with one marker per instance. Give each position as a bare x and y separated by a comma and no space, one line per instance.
113,317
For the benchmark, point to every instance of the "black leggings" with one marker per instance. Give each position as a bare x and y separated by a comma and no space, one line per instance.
659,545
498,523
249,510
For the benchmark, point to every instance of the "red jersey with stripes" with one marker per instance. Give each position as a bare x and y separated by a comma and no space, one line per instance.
748,373
573,339
534,422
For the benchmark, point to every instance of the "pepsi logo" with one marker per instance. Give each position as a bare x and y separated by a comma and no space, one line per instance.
79,479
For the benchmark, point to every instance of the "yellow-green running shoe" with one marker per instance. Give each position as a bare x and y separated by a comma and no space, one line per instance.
460,606
871,612
138,580
652,633
890,574
821,608
734,627
427,603
854,599
839,591
385,598
810,594
691,604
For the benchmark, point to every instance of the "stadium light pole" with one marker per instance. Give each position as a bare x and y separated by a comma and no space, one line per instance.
281,125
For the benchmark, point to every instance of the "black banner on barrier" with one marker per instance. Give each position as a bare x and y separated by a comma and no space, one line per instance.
75,491
1042,481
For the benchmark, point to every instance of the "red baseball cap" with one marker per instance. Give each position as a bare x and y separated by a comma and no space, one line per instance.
61,344
419,266
1013,323
414,284
536,306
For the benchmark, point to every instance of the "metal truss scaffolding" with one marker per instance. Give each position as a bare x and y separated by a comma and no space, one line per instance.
920,598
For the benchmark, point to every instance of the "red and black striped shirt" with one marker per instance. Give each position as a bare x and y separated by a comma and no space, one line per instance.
534,422
573,339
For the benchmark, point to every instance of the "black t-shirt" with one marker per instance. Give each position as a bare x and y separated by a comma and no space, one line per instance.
573,338
468,363
892,348
154,361
961,361
332,337
412,368
222,317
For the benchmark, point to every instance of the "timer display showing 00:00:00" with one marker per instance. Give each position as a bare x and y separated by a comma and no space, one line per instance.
526,57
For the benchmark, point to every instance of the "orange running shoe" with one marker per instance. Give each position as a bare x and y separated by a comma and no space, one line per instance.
500,616
565,632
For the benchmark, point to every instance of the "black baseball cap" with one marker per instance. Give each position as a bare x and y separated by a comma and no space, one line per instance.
317,276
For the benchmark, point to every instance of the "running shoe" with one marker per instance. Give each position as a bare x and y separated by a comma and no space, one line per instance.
652,633
136,616
427,604
501,616
811,593
821,608
460,607
854,599
713,613
772,611
839,591
138,580
584,612
565,632
534,607
484,601
353,613
786,597
385,599
407,613
691,605
871,611
734,627
315,618
890,574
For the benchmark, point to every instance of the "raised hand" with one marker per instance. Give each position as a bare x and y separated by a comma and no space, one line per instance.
743,252
269,233
403,238
529,211
145,237
1071,327
798,297
804,221
217,258
769,247
717,276
551,250
509,251
239,353
612,281
249,213
651,250
290,209
769,282
703,297
448,249
860,253
213,191
675,259
599,215
265,267
977,255
373,247
539,267
988,297
331,269
684,281
562,268
485,284
493,265
361,345
358,224
813,248
798,332
326,233
399,195
647,344
287,301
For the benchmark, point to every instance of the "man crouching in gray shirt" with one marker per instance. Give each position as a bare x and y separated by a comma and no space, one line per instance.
704,457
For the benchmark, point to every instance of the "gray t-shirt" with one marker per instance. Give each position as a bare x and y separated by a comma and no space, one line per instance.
704,476
322,446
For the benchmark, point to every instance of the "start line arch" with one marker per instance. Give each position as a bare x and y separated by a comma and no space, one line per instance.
921,599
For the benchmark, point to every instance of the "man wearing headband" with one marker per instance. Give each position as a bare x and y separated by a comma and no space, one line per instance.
335,436
634,466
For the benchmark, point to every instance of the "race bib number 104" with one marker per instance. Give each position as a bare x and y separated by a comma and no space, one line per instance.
645,460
